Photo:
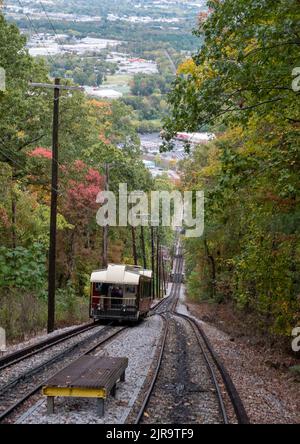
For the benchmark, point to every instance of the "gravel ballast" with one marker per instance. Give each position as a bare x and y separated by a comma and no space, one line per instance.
139,345
11,348
184,392
270,395
20,368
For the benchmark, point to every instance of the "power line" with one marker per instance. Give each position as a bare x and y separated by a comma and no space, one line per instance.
4,153
35,31
51,24
19,164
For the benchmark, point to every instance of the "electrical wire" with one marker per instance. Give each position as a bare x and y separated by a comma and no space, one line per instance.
52,26
35,31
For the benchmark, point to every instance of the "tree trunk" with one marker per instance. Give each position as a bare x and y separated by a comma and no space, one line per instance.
106,228
213,269
14,220
143,247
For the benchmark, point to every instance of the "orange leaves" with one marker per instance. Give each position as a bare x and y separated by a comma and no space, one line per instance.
104,139
98,103
4,219
105,107
202,17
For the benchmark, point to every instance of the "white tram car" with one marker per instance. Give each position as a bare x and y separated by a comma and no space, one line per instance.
120,292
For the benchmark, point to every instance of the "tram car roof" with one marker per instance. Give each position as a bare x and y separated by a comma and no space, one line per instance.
120,274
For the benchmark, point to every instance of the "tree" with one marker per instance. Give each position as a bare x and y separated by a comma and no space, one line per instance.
241,82
246,72
20,126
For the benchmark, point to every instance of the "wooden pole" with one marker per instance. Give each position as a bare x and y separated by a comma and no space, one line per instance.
134,251
164,276
157,267
106,228
53,214
153,261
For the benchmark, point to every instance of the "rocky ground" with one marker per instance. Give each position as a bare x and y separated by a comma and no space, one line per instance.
35,339
259,368
269,390
183,393
139,345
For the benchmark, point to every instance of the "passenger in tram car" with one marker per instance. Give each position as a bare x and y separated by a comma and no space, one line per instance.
116,296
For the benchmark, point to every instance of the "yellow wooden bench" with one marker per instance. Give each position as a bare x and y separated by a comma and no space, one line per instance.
87,377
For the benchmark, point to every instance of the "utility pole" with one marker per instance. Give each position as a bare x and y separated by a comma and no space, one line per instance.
106,228
54,195
160,274
153,261
157,266
53,217
134,252
164,276
143,246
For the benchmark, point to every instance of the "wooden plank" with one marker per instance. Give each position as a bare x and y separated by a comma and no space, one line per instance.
90,372
74,392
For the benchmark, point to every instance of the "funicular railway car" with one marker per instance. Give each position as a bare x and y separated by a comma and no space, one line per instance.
174,276
120,292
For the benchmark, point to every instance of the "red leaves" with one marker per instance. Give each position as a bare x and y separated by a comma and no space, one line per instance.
79,165
41,152
82,191
81,186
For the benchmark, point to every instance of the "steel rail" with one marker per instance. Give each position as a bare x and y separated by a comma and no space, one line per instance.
174,294
11,384
211,370
236,401
155,376
27,352
235,398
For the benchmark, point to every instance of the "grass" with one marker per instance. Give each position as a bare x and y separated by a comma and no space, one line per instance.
118,78
119,82
24,315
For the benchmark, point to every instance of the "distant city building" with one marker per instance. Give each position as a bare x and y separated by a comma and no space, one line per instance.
195,138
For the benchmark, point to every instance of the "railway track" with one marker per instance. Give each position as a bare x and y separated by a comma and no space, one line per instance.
23,387
187,384
169,303
212,359
27,352
190,394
